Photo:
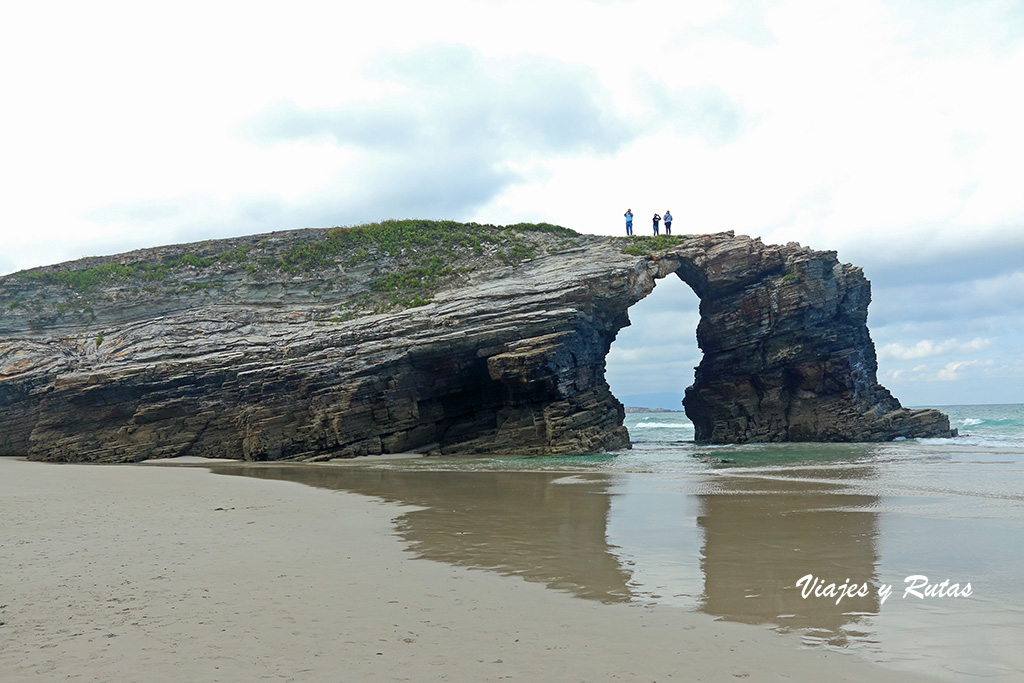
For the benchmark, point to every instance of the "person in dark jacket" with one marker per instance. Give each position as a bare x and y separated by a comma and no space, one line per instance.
657,219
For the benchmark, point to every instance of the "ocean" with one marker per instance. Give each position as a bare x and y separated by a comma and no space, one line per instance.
907,553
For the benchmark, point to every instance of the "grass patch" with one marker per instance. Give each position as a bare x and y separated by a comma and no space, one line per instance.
85,279
407,288
423,254
236,255
393,263
642,246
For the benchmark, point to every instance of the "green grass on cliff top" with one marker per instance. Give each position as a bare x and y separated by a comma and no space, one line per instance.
435,243
397,237
645,244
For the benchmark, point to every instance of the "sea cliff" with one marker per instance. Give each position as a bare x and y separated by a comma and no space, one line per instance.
431,336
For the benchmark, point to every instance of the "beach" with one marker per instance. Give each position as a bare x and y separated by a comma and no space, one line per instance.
136,572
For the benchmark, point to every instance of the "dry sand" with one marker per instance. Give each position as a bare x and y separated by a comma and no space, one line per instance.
128,573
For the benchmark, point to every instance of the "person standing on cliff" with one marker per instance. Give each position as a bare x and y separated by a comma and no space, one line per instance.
629,221
656,219
668,222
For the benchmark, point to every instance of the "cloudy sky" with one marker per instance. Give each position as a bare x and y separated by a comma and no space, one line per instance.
887,130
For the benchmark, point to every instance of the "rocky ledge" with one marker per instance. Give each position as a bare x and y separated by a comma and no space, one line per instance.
428,336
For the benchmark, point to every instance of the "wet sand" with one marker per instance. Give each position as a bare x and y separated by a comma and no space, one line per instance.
726,542
161,573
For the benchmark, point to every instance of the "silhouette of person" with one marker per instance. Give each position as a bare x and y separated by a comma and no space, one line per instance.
656,219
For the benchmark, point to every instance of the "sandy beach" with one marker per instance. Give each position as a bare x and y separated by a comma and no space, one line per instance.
119,573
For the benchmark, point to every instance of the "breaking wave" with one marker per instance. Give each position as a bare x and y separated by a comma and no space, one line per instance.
663,425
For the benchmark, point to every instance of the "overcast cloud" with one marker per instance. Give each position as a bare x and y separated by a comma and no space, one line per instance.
888,130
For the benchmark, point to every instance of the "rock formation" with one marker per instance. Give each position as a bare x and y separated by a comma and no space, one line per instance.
435,337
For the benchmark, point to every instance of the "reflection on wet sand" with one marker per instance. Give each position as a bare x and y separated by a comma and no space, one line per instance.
762,535
544,526
755,536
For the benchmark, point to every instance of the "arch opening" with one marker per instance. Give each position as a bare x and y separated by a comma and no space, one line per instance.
652,360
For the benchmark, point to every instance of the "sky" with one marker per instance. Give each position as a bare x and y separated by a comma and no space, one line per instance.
886,130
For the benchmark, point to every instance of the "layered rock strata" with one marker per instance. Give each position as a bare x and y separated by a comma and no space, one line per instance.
226,358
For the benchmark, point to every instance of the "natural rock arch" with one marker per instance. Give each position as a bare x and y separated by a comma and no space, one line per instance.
787,355
786,351
510,360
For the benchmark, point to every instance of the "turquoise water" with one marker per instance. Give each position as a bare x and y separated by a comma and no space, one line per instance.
729,530
663,443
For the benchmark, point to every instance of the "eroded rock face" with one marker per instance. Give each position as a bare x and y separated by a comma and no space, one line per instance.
787,354
505,358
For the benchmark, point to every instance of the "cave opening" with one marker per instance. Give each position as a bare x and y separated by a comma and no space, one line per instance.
652,360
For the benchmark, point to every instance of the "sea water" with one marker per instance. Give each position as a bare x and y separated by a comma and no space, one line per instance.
766,515
740,532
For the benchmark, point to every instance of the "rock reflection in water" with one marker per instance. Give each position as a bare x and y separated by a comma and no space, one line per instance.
754,536
761,536
544,526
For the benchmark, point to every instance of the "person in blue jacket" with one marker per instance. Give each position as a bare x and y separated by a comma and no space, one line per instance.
668,222
629,221
657,218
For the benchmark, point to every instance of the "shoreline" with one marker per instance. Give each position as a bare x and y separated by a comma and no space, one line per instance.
120,572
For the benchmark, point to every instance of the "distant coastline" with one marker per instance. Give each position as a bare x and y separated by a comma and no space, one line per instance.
637,409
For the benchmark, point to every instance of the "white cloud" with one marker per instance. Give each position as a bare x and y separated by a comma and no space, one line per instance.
951,371
885,129
926,348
